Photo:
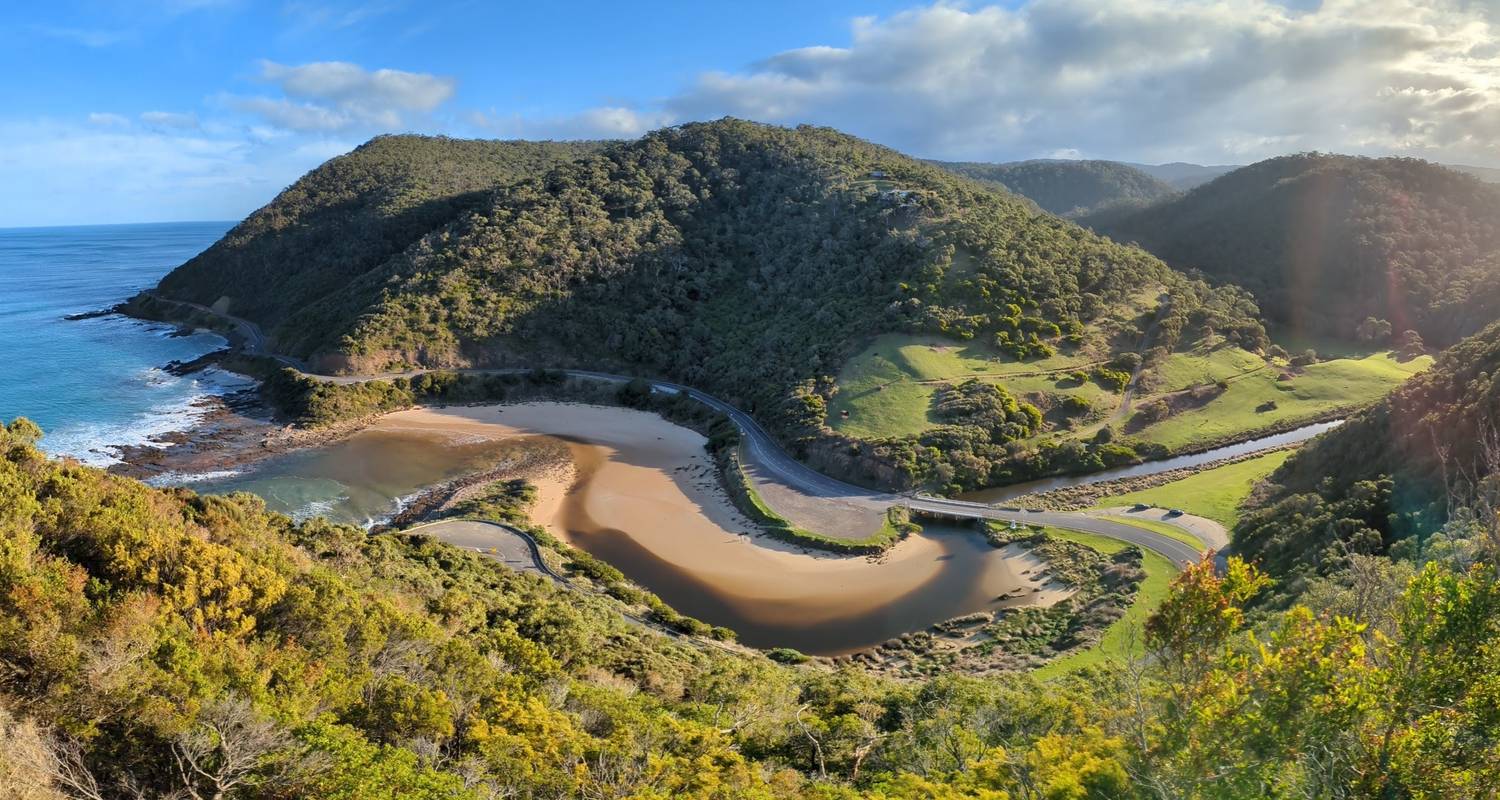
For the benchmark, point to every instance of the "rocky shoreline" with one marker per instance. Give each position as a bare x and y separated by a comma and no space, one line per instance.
231,432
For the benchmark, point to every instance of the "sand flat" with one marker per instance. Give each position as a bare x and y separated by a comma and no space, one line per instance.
639,478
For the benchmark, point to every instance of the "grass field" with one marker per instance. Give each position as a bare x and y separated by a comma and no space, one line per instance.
1125,638
1320,389
887,389
1181,370
1214,493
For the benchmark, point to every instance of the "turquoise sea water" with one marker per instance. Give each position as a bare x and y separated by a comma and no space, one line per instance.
97,383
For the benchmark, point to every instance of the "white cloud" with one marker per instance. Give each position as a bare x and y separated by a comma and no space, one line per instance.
1147,80
104,119
335,95
608,122
170,119
309,117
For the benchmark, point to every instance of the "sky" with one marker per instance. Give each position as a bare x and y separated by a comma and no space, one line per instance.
117,111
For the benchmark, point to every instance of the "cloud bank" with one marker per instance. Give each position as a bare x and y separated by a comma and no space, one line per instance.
335,96
1150,80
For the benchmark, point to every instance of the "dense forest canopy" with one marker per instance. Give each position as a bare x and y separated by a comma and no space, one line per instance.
1068,188
748,260
1326,242
350,214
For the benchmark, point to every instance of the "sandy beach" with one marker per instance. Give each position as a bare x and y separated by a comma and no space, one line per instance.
642,491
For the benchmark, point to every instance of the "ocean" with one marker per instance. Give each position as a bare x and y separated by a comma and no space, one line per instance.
96,384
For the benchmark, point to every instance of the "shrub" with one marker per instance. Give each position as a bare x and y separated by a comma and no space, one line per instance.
1111,379
786,655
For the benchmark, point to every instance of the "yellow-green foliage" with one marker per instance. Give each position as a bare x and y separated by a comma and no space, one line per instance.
141,628
141,620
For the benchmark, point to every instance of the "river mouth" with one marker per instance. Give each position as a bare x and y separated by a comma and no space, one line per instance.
368,477
641,494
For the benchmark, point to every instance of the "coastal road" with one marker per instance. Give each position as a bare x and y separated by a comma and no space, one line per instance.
510,546
764,452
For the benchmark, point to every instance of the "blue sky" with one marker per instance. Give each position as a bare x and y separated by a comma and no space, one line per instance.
145,110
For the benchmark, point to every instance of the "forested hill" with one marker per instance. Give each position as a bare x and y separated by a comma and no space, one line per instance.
1326,241
351,214
743,258
1068,188
1388,480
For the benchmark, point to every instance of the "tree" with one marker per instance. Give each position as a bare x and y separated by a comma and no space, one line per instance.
1411,345
231,745
1305,358
1373,330
1200,614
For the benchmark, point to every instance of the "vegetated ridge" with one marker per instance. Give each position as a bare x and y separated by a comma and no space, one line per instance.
1355,248
1068,188
1181,175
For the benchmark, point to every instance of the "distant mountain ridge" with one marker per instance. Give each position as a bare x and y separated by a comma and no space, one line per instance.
1181,175
1325,241
1068,188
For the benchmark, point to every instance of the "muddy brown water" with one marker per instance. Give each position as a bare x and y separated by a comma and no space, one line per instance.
828,610
965,582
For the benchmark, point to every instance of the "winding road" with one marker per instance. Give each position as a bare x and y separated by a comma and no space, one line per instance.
760,450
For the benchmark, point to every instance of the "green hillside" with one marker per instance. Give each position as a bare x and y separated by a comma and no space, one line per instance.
748,260
351,214
1068,188
1325,242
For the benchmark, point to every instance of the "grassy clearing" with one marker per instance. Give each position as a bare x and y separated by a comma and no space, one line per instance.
1213,493
1259,400
887,389
880,398
1165,529
1124,638
1181,370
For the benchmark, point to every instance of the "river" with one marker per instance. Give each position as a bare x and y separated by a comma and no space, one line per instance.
640,493
1000,494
